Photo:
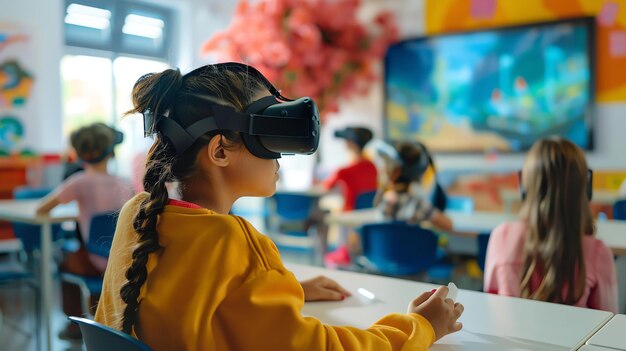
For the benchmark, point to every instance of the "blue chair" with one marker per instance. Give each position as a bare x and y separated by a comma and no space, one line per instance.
291,213
483,242
290,216
619,210
101,231
29,234
99,337
365,200
398,248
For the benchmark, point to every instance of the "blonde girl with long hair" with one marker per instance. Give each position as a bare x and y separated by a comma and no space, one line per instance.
551,253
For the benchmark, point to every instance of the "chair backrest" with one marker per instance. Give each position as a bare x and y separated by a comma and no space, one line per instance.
460,203
483,242
23,193
289,213
365,200
439,198
99,337
398,248
30,234
293,207
619,210
101,231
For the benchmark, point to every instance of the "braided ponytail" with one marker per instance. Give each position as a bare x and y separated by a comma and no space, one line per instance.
158,172
156,92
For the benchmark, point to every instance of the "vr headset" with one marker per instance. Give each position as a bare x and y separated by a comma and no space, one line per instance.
408,172
270,126
358,135
589,189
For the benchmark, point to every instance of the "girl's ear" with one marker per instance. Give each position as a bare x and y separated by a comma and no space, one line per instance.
215,152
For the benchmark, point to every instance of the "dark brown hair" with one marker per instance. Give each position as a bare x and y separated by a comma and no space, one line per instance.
556,209
183,99
92,141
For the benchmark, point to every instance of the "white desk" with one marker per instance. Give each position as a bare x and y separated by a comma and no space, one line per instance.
512,196
23,211
611,232
462,221
612,335
490,322
594,348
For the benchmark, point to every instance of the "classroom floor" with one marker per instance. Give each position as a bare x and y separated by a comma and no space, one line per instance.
16,330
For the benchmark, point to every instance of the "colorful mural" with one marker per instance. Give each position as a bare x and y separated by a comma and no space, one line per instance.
11,132
16,83
459,15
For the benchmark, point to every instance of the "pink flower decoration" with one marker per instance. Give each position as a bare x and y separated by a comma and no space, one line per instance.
313,48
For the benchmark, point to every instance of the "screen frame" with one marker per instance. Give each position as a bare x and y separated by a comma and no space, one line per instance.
589,23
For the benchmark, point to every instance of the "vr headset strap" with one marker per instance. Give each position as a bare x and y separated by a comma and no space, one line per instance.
176,134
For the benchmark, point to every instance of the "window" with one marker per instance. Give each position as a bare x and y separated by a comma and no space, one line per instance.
109,45
87,92
123,27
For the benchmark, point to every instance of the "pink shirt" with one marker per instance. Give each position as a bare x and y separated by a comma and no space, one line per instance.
503,267
95,193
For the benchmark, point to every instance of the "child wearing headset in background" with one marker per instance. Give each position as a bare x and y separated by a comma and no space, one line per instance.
358,177
551,254
186,275
96,191
411,192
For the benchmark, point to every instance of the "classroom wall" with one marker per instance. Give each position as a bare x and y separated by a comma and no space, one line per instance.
367,111
610,122
42,19
209,16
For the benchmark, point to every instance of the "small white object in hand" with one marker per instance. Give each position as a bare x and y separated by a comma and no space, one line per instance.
370,295
453,291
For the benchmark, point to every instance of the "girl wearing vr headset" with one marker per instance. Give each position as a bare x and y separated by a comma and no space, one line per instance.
550,254
412,193
96,191
184,274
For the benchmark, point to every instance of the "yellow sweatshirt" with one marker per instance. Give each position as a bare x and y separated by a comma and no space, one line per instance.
218,284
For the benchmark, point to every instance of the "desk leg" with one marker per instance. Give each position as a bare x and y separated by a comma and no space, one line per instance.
46,282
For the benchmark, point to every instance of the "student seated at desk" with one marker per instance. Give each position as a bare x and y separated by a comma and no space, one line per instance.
96,191
551,254
186,275
358,177
412,193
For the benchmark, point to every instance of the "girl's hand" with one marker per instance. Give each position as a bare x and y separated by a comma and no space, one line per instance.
442,313
323,289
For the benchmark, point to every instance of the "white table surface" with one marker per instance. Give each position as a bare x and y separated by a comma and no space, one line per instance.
23,211
611,232
604,197
594,348
490,322
612,335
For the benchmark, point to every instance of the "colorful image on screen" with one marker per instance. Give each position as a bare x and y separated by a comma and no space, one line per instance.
492,90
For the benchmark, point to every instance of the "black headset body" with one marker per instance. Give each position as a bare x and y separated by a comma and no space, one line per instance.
270,126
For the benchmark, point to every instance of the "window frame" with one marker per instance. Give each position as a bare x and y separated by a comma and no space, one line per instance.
119,10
